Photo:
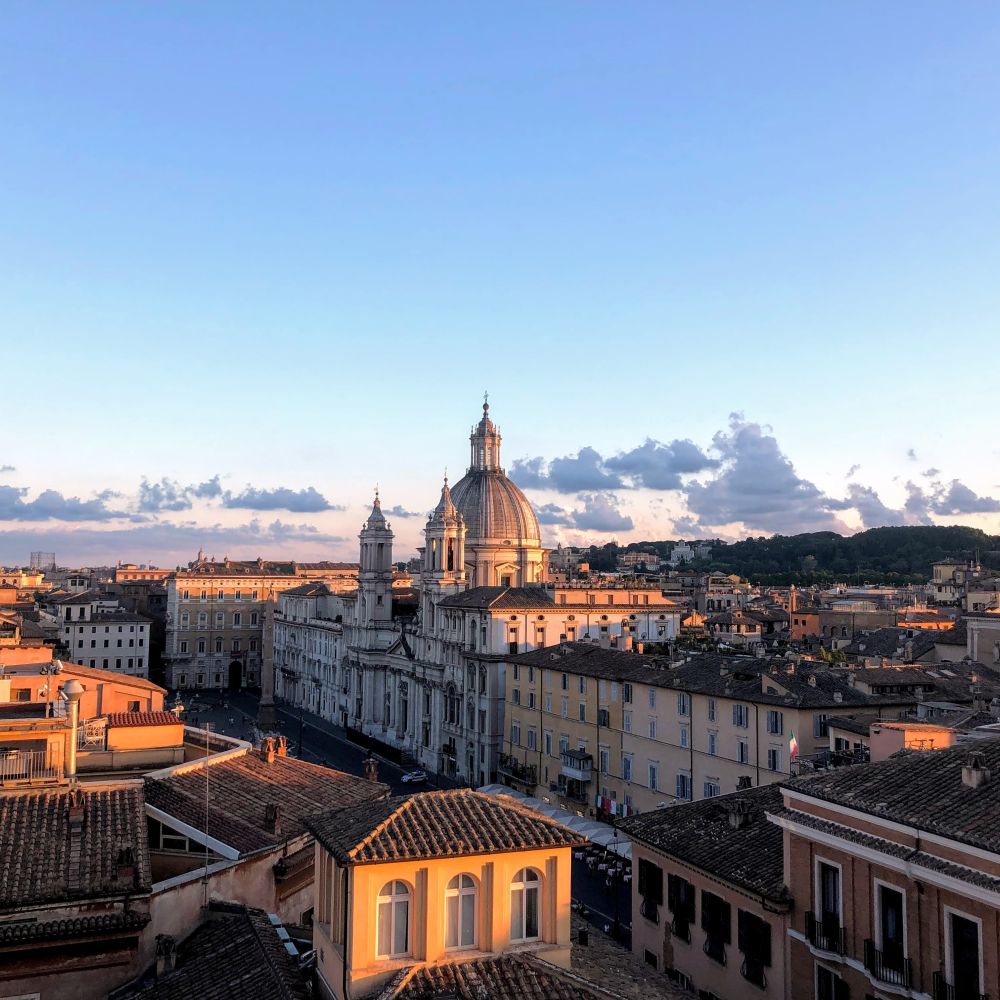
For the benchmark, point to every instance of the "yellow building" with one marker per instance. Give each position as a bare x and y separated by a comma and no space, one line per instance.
433,880
611,733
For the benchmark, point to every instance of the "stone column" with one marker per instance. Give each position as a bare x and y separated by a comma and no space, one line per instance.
265,712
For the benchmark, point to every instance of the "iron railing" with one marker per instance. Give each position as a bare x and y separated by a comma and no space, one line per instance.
887,965
18,766
826,933
943,990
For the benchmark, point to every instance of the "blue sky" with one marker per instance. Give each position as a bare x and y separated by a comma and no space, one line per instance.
290,245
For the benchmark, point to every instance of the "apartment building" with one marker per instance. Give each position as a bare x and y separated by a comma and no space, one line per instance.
614,733
895,871
215,617
703,915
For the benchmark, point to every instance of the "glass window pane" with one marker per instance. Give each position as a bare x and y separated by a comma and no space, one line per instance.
384,929
531,912
401,928
451,922
516,915
468,920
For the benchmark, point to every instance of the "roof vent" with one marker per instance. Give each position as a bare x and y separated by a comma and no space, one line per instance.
272,818
975,772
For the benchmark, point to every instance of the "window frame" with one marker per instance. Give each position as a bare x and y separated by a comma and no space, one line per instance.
391,899
523,884
949,946
461,892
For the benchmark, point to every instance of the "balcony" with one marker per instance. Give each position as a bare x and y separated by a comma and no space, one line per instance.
888,965
511,768
826,933
943,990
25,767
576,764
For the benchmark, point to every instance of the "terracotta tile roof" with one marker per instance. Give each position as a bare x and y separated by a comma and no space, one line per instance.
241,788
957,635
700,834
44,859
506,977
124,719
433,825
923,789
30,931
238,955
71,669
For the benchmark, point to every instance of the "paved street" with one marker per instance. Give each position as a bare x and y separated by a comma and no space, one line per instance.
322,742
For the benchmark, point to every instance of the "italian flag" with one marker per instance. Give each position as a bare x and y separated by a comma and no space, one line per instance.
793,746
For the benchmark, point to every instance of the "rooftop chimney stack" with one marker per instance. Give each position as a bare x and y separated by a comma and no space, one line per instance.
73,691
281,746
125,865
272,818
371,767
267,750
975,773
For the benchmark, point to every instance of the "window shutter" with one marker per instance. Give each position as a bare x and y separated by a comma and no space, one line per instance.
706,908
725,921
764,944
742,919
840,990
643,868
672,894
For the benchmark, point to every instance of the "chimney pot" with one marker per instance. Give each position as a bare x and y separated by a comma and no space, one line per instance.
267,750
281,746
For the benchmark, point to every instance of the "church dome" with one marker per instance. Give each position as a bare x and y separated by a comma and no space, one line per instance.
491,505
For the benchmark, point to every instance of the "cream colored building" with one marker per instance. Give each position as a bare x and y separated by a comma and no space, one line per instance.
610,733
433,880
215,616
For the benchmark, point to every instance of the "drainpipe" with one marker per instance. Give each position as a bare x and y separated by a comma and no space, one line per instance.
73,690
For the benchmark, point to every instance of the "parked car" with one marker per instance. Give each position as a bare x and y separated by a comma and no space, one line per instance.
415,777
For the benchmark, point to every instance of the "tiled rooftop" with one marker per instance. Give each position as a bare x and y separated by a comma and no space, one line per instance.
433,825
700,835
43,859
118,720
236,956
923,789
240,789
30,931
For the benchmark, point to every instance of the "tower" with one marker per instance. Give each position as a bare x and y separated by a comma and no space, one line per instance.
375,576
444,553
484,442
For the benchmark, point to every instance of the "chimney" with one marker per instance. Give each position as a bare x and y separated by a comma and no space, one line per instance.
73,691
743,781
811,680
739,813
77,807
975,773
125,865
281,746
272,818
371,767
267,751
628,643
166,955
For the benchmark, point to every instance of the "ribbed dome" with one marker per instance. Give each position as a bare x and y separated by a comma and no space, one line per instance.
493,507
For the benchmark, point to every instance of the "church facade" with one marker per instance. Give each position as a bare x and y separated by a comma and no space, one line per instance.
432,686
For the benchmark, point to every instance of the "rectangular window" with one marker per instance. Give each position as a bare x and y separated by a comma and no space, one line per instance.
775,722
627,721
583,711
652,729
627,694
564,707
681,903
890,906
743,751
650,879
711,710
820,729
716,922
626,767
184,646
753,937
602,757
741,716
773,758
963,954
532,744
547,743
711,788
583,685
683,787
653,773
712,743
652,697
684,736
683,703
829,986
531,699
547,705
515,696
515,733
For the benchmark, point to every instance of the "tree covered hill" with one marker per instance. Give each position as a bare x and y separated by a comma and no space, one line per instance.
879,555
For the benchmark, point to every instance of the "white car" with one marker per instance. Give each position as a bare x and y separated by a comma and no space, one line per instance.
414,777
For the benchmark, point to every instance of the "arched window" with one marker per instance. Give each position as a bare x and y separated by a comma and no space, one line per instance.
393,938
524,906
460,912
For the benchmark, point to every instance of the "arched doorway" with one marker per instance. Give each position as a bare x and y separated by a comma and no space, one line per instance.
235,675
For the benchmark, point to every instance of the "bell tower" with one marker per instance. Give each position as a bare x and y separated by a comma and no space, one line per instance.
444,551
375,575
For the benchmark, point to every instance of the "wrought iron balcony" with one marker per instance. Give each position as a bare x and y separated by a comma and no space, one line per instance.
943,990
826,933
887,965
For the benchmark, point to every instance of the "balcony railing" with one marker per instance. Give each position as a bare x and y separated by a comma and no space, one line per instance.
511,767
826,933
25,766
943,990
887,965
